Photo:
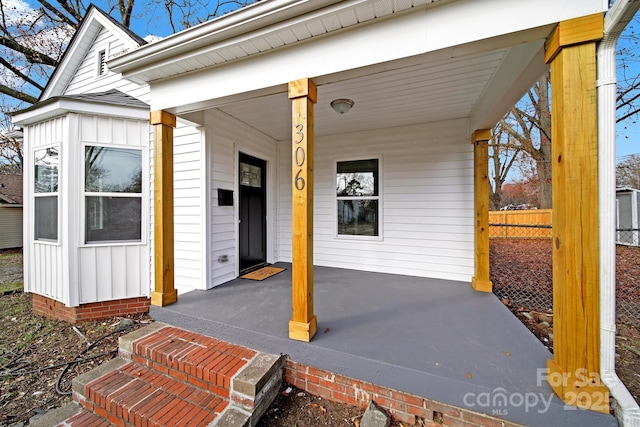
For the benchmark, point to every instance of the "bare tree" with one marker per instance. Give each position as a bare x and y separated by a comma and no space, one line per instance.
529,121
33,39
628,93
628,172
503,153
528,124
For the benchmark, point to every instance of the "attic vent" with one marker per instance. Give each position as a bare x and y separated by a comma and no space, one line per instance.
102,67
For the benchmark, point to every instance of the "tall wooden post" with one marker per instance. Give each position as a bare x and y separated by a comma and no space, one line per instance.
164,293
574,372
480,139
303,324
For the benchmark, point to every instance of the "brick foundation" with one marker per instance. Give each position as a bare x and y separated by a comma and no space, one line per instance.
404,407
53,309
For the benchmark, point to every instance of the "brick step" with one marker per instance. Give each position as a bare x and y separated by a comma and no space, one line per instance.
86,418
169,376
135,393
203,361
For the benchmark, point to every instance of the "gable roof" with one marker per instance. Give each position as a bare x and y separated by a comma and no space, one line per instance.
94,20
10,189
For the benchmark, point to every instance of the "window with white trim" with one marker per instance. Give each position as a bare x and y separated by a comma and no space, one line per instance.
113,194
358,198
45,189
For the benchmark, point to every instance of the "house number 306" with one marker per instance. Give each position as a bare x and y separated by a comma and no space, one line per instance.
299,157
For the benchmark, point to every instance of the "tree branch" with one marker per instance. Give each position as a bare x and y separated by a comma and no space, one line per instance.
20,74
21,96
32,55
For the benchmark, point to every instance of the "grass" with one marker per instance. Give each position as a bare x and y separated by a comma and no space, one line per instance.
11,286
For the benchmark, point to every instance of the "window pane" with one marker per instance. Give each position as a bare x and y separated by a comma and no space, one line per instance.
46,218
112,170
46,170
358,217
113,218
250,175
357,178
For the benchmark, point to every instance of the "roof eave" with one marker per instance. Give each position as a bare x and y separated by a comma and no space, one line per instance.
242,21
59,106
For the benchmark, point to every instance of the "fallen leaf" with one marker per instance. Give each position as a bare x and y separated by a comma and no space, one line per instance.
506,353
469,375
324,411
356,423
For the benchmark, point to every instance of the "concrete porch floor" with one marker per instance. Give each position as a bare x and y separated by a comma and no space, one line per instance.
434,338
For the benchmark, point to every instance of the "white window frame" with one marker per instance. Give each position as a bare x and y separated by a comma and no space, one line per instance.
55,241
379,198
141,195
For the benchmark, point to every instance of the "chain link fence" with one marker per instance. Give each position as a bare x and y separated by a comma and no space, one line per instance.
521,257
522,275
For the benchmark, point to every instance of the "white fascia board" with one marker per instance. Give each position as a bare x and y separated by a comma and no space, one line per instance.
438,31
240,22
82,42
64,106
445,25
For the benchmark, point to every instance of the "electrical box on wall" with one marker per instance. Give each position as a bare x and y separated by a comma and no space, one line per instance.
225,197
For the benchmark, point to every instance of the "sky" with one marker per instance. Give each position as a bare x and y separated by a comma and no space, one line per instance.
149,17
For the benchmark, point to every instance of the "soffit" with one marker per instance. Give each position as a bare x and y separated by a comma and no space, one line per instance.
422,93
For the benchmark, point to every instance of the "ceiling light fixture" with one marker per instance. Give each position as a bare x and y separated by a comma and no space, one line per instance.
342,105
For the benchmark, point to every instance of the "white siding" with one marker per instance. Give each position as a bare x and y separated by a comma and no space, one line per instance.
86,79
44,273
109,271
426,187
10,227
188,210
225,138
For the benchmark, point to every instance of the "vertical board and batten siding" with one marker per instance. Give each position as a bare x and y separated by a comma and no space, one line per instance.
44,273
225,137
11,227
189,235
426,197
110,271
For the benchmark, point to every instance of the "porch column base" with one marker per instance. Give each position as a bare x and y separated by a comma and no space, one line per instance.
482,285
581,388
161,299
302,331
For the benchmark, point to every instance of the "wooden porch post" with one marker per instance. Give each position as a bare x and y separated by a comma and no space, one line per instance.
480,139
163,123
574,372
303,324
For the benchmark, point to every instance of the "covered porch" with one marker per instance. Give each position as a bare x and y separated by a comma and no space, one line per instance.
429,82
432,338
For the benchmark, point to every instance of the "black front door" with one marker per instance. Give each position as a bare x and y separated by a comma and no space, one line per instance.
253,212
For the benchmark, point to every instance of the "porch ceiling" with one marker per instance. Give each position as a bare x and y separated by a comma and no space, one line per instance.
425,90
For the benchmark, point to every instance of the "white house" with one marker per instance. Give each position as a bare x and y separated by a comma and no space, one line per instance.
250,163
10,211
88,223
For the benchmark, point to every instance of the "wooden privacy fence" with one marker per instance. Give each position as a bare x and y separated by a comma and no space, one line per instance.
520,224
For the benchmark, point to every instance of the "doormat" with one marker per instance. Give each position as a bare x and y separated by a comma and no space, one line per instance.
262,273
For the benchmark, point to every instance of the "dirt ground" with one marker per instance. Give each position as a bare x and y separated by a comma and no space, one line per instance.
521,272
35,351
